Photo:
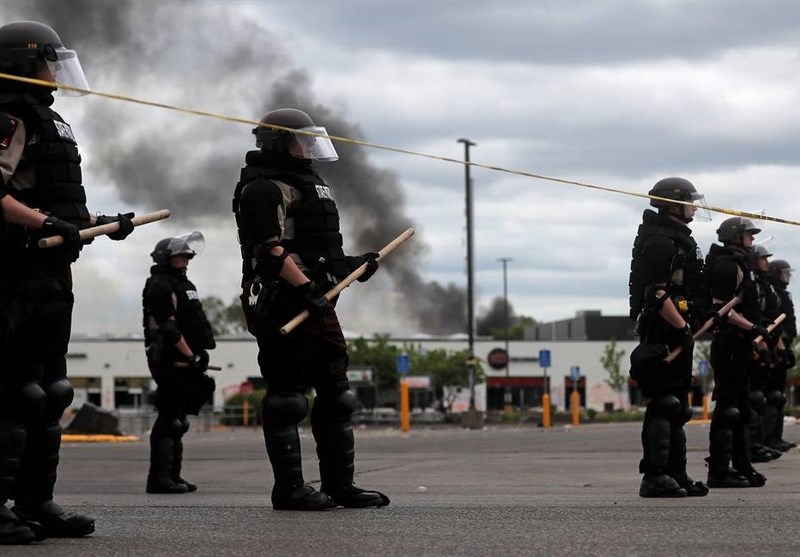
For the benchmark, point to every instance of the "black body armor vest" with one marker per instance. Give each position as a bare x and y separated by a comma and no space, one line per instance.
747,290
190,318
687,258
316,218
768,303
55,162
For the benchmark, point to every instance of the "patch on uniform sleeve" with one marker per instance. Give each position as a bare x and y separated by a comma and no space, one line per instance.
8,126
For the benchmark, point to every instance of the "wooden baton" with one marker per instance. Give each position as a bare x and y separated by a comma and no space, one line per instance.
770,328
706,326
93,232
348,280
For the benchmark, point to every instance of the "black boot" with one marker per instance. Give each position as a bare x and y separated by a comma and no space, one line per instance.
56,523
677,464
290,492
720,474
336,452
177,465
33,499
159,478
15,531
660,485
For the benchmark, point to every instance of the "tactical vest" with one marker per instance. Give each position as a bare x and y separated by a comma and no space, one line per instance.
687,259
55,163
768,302
190,318
747,290
786,305
316,218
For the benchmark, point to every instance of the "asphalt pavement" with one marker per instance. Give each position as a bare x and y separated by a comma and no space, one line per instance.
500,491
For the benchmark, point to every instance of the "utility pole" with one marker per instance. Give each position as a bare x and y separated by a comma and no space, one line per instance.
474,421
507,399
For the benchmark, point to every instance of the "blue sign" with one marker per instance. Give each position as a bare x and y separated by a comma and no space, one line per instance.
403,364
544,358
702,368
575,373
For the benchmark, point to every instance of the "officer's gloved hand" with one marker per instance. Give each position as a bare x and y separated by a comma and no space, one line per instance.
720,320
356,261
788,358
199,361
125,224
314,298
682,338
764,357
54,226
759,331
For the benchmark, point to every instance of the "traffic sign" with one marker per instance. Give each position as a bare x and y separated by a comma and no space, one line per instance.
544,358
403,363
702,368
575,373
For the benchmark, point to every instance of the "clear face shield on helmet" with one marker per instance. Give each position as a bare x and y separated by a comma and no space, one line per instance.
701,211
314,144
189,244
65,69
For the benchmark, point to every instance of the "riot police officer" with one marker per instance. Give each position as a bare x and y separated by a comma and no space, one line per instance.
780,273
764,364
177,337
292,253
40,167
667,297
729,273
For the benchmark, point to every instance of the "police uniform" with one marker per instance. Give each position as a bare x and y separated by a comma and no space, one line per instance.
172,309
40,166
665,254
281,196
729,273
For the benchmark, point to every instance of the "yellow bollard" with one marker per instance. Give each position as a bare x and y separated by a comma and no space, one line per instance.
575,399
546,410
405,414
245,416
705,407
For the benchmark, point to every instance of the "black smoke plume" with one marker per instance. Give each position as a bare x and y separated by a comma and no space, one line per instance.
191,164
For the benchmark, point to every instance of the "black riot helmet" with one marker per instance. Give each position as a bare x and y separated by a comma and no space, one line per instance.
188,244
679,189
781,270
311,143
28,47
731,230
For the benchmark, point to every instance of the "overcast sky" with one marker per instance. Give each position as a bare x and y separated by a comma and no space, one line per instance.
617,94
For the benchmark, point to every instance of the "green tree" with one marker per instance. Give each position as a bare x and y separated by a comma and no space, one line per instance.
612,363
224,319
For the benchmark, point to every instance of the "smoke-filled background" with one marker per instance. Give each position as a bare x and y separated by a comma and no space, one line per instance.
202,55
614,93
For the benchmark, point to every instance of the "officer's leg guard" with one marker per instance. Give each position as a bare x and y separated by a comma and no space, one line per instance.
656,449
758,451
773,422
166,430
13,530
281,413
177,458
333,431
36,480
741,457
720,474
677,455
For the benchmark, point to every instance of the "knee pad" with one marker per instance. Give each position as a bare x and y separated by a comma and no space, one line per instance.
175,427
59,397
684,415
284,408
776,398
25,403
668,407
344,405
184,425
730,417
757,399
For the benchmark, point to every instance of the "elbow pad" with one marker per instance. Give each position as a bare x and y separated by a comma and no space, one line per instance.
267,265
653,302
169,331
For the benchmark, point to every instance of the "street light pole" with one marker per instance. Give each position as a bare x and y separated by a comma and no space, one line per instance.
507,399
470,287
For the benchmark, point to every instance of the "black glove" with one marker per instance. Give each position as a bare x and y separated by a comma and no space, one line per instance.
54,226
125,224
759,331
199,361
356,261
683,338
720,320
788,358
764,357
314,298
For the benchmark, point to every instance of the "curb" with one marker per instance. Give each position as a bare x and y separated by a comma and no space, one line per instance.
97,438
